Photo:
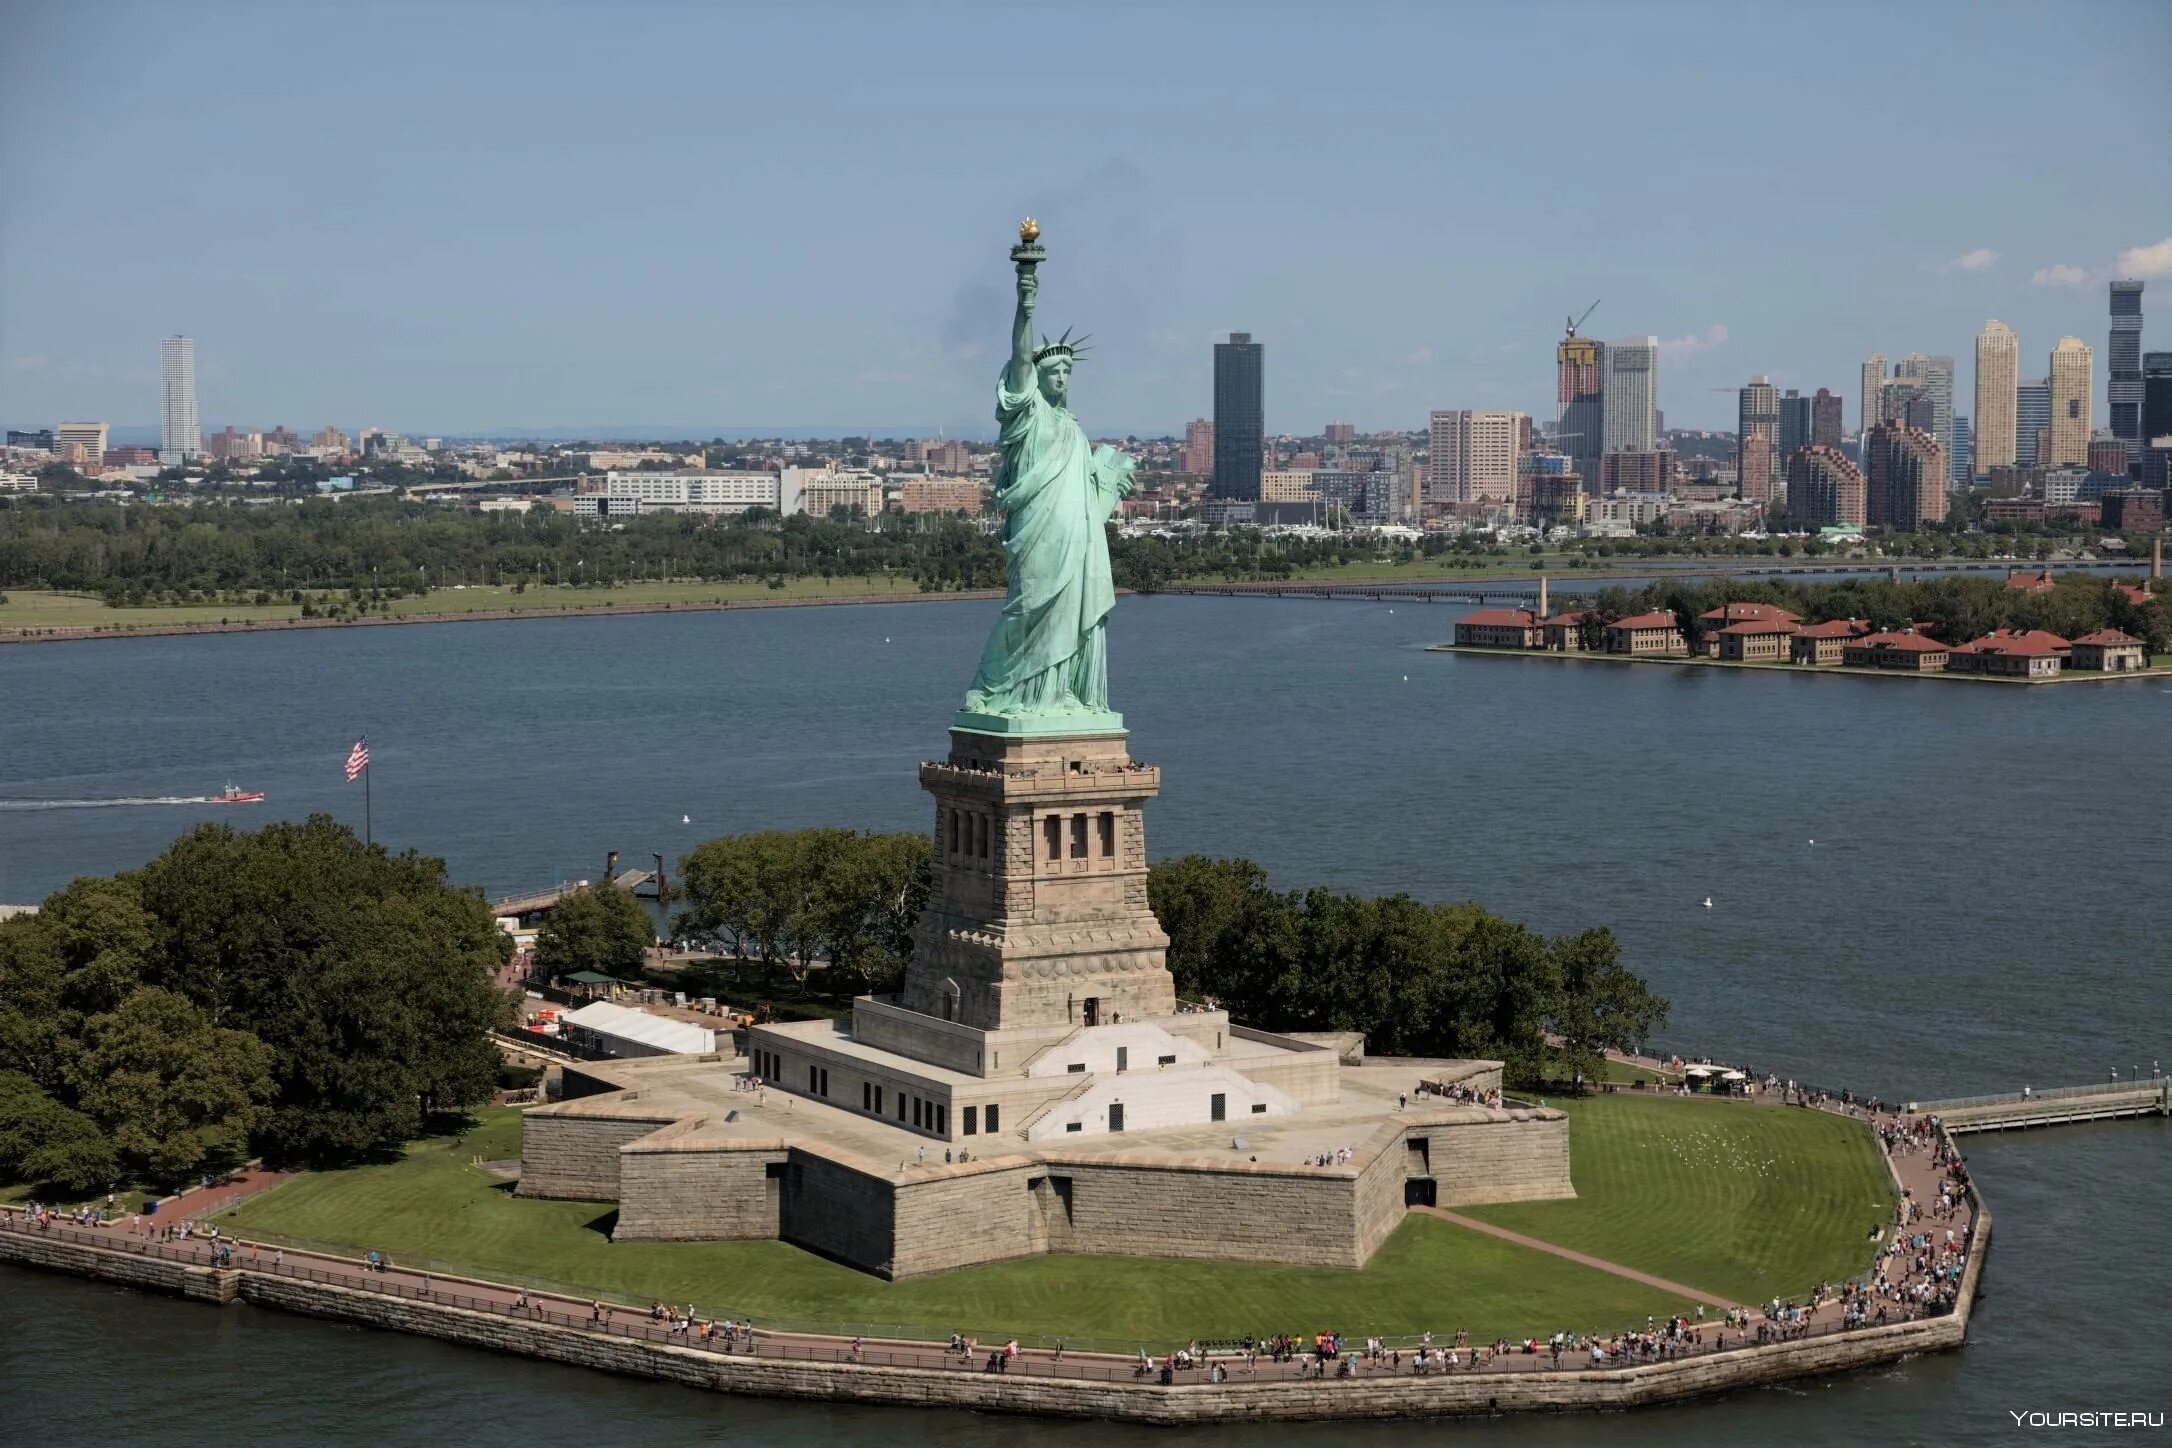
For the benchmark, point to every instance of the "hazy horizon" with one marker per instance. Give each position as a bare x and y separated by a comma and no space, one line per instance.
467,219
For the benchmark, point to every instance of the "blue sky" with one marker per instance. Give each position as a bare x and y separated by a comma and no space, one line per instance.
461,217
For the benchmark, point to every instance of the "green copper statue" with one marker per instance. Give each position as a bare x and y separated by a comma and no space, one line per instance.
1045,670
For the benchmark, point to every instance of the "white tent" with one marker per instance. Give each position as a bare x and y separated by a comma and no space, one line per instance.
628,1032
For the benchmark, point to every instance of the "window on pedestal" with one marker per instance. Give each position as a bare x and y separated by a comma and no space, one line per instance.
1052,829
1108,835
955,817
1078,837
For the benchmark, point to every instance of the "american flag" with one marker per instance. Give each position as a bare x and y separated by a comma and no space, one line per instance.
358,759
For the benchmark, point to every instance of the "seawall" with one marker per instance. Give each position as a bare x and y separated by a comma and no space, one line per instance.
803,1376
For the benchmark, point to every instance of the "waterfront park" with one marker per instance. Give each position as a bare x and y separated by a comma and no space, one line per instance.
1745,1203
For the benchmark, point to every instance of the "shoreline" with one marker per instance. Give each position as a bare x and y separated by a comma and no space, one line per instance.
778,1373
1833,671
66,634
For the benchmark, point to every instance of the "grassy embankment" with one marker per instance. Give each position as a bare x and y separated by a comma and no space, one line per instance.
1730,1199
43,610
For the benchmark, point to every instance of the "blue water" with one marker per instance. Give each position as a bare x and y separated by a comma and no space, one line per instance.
1984,905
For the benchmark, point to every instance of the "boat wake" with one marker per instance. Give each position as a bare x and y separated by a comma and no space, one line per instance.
147,799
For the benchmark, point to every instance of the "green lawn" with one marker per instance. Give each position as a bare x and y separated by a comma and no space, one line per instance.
1741,1201
1620,1072
434,1208
26,609
1731,1199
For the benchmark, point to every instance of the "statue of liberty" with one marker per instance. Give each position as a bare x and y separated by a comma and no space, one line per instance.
1045,669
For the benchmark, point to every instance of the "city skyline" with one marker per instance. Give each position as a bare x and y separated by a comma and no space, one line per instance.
708,282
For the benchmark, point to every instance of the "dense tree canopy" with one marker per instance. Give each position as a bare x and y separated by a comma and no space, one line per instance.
603,929
795,899
287,990
1417,979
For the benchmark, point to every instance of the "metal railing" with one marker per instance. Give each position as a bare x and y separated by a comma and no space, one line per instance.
2154,1086
765,1341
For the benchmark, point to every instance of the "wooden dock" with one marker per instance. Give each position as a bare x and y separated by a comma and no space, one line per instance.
2059,1106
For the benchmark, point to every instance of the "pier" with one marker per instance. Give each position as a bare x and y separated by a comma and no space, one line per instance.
2058,1106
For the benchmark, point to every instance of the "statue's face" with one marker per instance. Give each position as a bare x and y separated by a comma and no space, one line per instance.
1056,380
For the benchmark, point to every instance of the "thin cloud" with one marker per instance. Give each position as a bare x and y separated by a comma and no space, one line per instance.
1983,258
2060,275
2147,261
1676,348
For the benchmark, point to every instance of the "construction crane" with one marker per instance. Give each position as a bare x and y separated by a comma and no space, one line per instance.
1575,322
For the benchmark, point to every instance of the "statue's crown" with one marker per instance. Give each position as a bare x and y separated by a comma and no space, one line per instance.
1064,346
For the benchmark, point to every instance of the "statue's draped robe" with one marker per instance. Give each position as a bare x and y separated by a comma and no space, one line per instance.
1047,654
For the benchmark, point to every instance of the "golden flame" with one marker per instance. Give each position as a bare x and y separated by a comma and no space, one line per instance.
1029,231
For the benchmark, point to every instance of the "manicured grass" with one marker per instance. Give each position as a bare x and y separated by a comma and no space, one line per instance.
434,1208
31,609
1742,1201
37,610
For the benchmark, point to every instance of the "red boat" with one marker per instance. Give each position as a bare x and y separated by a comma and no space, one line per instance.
235,795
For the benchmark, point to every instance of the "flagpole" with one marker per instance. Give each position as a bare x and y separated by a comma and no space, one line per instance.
365,806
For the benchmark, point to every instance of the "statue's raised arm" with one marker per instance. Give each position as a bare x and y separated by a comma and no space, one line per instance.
1018,376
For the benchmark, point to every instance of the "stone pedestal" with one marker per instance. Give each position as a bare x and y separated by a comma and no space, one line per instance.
1037,915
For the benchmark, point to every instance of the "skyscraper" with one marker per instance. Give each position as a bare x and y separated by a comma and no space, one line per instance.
2156,396
1757,410
1196,457
1873,375
1473,456
1964,443
1825,423
1824,487
1240,416
1936,375
1629,396
2032,420
2123,363
2072,364
180,437
1341,432
1578,365
1795,422
1904,477
1998,361
1753,467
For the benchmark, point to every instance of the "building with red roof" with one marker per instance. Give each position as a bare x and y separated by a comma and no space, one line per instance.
1823,643
1499,628
1646,633
1900,649
2041,582
2134,593
2012,653
1755,641
1712,620
1563,633
2108,650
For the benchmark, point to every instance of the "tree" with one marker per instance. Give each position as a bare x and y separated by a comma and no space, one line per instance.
370,979
46,1144
1598,1005
602,928
870,898
171,1090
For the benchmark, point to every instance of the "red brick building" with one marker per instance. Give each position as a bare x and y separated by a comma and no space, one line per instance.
1499,628
2107,650
1901,649
2014,654
1825,643
1646,633
1755,641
